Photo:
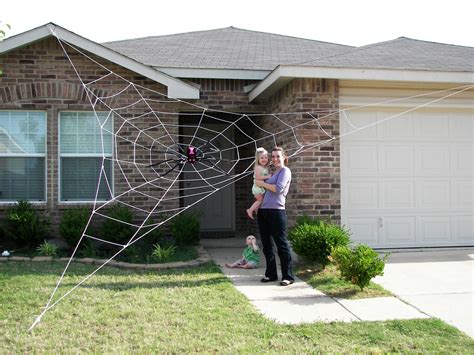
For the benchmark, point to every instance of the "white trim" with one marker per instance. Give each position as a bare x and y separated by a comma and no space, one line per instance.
198,73
176,87
283,74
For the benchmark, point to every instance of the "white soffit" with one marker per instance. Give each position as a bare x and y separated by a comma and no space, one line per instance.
283,74
176,87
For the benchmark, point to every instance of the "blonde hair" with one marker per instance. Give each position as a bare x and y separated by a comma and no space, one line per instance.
258,153
254,242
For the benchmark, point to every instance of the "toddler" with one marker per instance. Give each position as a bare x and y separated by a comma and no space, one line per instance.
250,256
260,172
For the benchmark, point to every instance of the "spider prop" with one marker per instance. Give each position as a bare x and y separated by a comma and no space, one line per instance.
189,154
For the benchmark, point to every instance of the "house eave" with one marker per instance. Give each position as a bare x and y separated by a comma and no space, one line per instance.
284,74
208,73
176,87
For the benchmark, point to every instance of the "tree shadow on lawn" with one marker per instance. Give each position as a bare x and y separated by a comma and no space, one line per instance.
129,285
121,279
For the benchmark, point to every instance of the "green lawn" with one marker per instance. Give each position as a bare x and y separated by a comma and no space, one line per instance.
186,310
329,282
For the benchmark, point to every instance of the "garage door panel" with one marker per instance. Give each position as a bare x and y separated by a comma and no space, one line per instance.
463,195
434,229
396,160
361,159
463,159
368,228
461,126
399,230
433,195
397,194
431,125
432,159
354,122
463,229
361,195
397,128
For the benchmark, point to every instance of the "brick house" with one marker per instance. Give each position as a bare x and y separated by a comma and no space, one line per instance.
402,182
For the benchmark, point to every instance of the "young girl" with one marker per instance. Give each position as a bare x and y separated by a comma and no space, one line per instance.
260,173
250,256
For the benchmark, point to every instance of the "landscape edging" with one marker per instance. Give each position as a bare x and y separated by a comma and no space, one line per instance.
203,257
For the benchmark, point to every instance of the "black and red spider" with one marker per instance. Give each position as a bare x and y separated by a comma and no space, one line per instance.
189,154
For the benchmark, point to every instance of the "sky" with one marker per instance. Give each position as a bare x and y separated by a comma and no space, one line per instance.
349,22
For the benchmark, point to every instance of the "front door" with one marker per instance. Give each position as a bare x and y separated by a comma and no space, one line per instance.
217,210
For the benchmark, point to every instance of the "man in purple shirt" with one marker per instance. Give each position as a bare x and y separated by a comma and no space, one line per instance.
272,220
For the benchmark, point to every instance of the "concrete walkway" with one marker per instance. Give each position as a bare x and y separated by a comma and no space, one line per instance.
300,303
439,282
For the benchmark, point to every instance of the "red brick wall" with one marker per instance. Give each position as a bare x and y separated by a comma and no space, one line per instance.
315,189
39,77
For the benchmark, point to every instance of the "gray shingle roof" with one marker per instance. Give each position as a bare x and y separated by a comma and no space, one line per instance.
234,48
226,48
402,53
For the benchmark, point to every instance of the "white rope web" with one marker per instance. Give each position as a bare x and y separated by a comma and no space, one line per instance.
153,174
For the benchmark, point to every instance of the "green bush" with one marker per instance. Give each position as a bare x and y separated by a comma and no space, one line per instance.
154,236
358,265
185,229
307,220
117,227
163,254
24,227
47,249
315,241
72,225
145,240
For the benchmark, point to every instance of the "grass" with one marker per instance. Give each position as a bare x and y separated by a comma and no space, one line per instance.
181,311
328,281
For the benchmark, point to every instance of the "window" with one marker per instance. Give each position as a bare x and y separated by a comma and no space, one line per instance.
85,138
22,156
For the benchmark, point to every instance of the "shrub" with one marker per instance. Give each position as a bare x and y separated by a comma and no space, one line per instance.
152,237
117,227
185,229
47,249
72,225
358,265
88,249
24,226
163,254
314,242
307,220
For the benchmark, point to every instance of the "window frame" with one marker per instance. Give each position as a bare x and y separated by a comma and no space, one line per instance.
32,155
85,155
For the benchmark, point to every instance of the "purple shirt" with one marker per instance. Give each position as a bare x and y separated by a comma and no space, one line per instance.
276,200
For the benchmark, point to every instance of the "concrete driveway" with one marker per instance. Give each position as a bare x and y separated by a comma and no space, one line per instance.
438,283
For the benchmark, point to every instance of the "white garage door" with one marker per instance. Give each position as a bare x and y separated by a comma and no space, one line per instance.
408,181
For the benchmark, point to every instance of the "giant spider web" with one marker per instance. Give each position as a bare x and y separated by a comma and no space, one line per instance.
143,139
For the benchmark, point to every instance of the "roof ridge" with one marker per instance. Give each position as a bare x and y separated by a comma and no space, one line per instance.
353,50
167,35
227,28
434,42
